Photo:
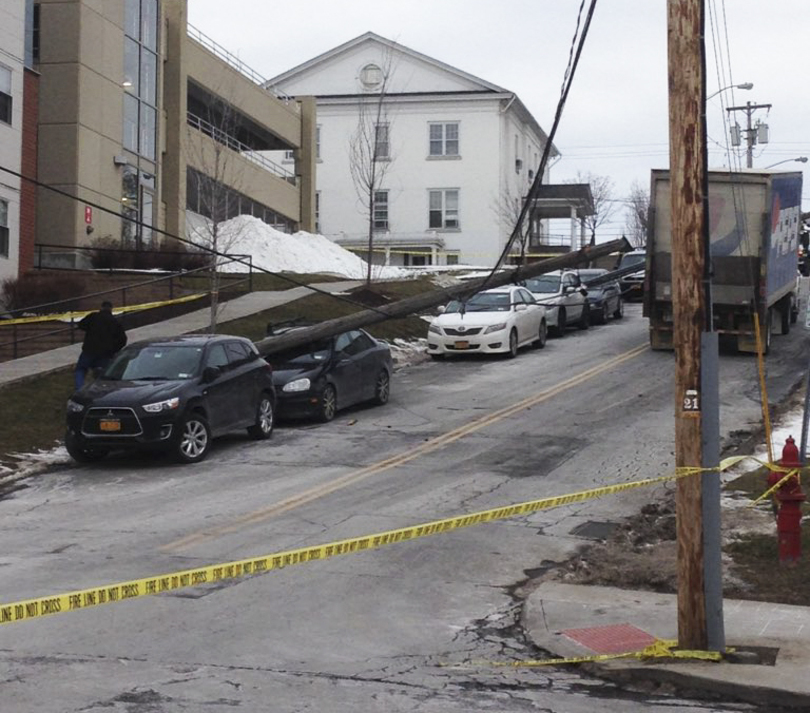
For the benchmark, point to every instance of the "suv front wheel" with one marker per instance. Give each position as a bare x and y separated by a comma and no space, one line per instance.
193,440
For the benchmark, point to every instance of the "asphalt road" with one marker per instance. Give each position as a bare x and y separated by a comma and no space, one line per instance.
408,627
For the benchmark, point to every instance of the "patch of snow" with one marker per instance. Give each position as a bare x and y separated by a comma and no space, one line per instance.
273,250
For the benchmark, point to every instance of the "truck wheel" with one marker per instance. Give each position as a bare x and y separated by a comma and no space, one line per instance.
784,313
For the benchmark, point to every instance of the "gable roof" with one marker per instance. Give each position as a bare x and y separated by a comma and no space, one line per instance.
474,83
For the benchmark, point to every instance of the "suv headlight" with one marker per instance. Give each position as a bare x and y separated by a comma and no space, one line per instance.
158,406
297,385
74,406
495,328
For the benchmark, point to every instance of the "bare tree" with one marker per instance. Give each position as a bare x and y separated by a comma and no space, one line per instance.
370,154
603,204
508,208
637,220
215,183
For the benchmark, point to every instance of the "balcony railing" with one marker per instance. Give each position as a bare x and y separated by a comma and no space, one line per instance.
237,64
226,139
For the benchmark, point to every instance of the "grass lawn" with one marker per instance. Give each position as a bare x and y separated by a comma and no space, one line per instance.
32,416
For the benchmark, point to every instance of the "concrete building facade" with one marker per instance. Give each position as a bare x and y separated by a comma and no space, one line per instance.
458,153
140,116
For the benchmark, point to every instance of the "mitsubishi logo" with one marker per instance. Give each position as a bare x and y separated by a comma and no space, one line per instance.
110,414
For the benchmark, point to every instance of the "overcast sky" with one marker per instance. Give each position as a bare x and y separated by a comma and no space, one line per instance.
615,122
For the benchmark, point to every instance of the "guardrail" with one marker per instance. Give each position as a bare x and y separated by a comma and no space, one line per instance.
240,66
226,139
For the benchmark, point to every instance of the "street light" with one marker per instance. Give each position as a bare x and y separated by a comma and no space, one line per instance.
800,159
744,85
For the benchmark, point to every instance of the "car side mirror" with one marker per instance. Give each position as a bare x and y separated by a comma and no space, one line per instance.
210,373
441,309
521,307
583,291
568,289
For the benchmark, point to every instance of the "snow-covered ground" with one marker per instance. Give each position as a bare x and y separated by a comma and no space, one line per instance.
273,250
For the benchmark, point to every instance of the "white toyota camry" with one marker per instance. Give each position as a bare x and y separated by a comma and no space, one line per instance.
495,321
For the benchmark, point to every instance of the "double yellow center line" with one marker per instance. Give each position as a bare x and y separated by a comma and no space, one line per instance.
400,459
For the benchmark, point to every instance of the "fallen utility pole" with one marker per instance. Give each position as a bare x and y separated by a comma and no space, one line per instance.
417,303
697,500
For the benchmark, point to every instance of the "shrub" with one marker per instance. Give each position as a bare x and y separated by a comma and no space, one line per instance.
33,292
108,254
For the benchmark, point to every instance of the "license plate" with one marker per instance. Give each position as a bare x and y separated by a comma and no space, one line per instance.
109,425
462,345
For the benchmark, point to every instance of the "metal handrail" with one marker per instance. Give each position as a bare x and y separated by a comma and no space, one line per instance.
231,258
226,139
235,62
15,341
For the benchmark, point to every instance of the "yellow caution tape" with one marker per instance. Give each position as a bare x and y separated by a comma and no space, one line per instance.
108,594
776,487
659,649
66,316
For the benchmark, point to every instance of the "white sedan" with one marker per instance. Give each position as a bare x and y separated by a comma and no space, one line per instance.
495,321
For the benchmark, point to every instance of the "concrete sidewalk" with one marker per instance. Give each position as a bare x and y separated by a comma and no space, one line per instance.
576,620
198,321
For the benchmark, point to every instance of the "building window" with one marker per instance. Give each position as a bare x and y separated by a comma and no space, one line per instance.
381,144
3,228
5,95
443,212
380,210
140,80
444,139
318,212
317,143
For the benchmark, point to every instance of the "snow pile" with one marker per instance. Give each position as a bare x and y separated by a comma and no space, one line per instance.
281,252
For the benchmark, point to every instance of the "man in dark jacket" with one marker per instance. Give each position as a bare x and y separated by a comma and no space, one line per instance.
103,337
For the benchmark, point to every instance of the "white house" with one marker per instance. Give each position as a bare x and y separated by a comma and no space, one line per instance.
459,152
12,44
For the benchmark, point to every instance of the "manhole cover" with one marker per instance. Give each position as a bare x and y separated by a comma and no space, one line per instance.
593,530
615,639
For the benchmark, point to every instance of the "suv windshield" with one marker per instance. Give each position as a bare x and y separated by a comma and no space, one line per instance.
632,259
547,284
305,355
168,362
483,302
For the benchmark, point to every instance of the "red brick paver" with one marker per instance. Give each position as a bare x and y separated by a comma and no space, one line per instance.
614,639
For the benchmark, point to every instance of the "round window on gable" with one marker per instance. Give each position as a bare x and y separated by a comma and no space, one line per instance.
371,76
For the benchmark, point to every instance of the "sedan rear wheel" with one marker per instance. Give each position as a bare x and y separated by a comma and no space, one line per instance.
382,388
559,330
619,313
604,313
265,419
328,404
585,317
542,334
194,439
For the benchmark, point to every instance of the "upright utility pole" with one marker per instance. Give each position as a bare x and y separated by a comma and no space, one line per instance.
699,601
750,130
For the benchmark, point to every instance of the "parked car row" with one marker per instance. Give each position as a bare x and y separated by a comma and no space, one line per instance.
503,319
176,395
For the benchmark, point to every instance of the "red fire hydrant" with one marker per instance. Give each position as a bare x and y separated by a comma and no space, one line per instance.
790,497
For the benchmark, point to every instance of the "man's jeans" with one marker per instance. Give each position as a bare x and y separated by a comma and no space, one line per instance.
87,361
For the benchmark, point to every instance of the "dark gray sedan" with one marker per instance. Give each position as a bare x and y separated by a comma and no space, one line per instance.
605,298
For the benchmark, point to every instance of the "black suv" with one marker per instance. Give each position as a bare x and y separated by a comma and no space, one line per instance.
172,395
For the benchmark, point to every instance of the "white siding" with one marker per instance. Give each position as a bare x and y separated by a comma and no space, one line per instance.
12,40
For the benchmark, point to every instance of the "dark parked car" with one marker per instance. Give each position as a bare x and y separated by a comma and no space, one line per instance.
172,395
317,379
604,298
